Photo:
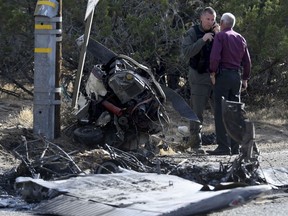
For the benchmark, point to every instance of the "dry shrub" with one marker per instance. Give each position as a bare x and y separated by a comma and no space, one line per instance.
276,114
10,91
9,88
25,117
67,115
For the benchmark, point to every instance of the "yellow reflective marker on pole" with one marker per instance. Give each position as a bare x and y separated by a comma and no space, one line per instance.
46,99
43,2
43,50
43,27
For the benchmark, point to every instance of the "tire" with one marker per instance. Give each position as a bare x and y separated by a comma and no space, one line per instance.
108,167
89,135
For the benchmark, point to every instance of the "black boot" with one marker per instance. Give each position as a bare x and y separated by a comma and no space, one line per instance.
220,151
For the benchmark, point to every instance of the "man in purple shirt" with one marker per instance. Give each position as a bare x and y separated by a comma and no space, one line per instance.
230,67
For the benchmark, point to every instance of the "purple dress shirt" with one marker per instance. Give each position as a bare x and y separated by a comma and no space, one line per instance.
230,51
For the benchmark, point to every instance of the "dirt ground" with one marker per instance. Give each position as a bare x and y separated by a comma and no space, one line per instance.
271,138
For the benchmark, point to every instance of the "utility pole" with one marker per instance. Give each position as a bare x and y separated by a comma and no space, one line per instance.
58,68
46,80
89,19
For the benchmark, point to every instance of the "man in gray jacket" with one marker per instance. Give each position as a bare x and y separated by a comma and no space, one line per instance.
196,48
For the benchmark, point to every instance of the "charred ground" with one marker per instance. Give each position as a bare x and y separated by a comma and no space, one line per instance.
271,138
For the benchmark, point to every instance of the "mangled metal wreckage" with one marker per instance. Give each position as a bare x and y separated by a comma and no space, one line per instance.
120,106
123,104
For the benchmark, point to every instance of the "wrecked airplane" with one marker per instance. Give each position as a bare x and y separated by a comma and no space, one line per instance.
121,103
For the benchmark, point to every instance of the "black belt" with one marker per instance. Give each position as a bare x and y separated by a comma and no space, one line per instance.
230,70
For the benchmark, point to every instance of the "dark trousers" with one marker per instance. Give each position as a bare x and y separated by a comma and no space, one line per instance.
228,83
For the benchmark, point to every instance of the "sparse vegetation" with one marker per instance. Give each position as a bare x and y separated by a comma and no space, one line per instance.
25,117
149,31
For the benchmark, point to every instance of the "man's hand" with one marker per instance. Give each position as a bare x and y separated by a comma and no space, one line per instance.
208,36
216,28
244,85
212,77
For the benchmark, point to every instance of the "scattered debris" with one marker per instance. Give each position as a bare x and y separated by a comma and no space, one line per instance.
121,112
134,193
244,168
121,105
42,158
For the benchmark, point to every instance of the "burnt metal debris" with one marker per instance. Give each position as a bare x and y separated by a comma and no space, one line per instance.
121,106
121,103
42,158
244,168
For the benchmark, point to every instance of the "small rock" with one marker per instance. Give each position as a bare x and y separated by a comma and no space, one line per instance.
183,130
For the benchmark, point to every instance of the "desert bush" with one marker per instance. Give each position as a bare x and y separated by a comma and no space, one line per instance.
151,31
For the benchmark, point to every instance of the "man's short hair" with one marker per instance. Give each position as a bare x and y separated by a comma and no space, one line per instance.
229,19
209,10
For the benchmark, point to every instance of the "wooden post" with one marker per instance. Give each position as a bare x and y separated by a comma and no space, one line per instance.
57,128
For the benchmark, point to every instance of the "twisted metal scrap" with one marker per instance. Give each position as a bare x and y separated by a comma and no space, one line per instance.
46,159
241,130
